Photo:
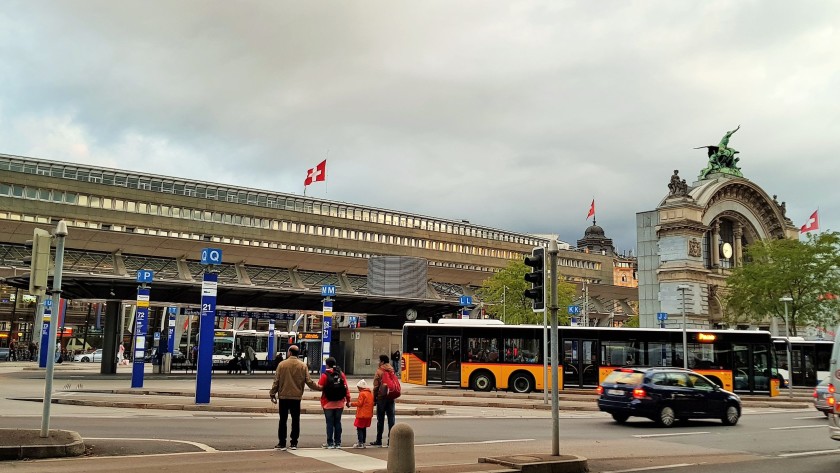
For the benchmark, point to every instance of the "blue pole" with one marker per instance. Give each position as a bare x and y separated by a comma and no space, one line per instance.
170,337
141,322
326,333
206,326
271,348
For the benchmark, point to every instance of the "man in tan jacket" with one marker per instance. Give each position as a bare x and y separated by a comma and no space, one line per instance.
289,379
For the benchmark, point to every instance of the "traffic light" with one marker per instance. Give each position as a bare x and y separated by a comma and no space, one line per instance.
537,278
39,262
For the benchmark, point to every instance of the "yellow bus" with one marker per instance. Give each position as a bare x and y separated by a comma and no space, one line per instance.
485,354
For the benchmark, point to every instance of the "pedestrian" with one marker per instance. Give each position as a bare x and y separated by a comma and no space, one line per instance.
13,351
250,359
235,364
121,354
334,396
364,413
384,406
289,380
396,362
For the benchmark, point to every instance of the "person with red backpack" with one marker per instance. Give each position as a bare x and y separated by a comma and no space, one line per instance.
334,396
385,390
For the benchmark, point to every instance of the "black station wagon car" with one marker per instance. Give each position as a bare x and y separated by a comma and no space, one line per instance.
666,395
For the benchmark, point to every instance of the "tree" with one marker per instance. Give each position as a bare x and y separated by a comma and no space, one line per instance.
503,292
806,271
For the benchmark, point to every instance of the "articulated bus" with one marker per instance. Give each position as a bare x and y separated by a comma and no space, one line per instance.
810,360
483,356
226,341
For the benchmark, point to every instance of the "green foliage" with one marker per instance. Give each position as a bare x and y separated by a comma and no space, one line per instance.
632,322
503,294
804,270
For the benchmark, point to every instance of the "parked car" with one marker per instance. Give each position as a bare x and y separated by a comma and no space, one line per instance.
95,356
824,396
4,354
666,395
177,356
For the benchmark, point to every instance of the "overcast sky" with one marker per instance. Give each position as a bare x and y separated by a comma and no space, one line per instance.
513,115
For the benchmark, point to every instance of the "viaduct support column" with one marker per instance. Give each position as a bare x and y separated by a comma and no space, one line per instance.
111,331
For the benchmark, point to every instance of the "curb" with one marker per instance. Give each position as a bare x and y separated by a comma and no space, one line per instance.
74,448
541,463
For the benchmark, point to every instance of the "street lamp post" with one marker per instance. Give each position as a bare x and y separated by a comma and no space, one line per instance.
504,303
785,300
682,288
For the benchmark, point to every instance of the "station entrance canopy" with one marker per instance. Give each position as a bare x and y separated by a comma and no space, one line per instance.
85,286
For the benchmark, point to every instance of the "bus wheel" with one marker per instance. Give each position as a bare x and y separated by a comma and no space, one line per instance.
521,383
482,381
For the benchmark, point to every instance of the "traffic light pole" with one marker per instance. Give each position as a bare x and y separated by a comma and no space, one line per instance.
555,351
60,234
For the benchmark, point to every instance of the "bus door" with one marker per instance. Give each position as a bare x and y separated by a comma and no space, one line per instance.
804,371
444,362
751,368
580,363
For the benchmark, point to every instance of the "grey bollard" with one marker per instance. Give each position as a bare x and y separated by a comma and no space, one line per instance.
401,449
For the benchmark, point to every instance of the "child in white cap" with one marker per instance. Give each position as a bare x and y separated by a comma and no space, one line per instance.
364,413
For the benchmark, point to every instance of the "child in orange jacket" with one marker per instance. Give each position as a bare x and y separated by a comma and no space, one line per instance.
364,413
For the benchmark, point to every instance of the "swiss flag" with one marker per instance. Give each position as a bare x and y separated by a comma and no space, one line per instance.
318,173
812,224
591,210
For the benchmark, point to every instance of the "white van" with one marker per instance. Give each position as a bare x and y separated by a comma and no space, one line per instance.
834,417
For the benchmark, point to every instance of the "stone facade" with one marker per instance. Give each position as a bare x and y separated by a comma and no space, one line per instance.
688,245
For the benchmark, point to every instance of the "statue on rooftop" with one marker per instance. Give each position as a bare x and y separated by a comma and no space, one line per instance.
722,158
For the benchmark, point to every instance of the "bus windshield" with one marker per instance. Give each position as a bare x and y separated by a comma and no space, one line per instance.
223,346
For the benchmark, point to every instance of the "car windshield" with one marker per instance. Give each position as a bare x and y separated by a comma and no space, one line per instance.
826,381
624,377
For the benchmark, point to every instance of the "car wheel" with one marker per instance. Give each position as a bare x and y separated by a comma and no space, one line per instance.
85,359
731,415
482,381
826,413
522,383
620,418
666,416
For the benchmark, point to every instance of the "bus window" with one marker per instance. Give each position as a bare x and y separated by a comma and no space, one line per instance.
619,353
522,350
481,350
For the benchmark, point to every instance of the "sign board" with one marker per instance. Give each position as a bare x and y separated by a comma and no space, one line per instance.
145,276
661,316
211,256
574,309
206,327
466,300
328,290
141,325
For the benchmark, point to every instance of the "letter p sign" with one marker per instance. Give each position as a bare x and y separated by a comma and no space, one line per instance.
145,276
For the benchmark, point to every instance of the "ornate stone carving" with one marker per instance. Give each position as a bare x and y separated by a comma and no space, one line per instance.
694,248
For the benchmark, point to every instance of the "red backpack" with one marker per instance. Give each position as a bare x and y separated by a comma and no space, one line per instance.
390,386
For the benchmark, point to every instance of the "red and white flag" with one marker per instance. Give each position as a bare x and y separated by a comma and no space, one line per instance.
318,173
813,223
591,210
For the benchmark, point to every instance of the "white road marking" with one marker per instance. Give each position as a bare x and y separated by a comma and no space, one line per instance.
792,427
815,452
669,435
808,418
481,442
202,446
649,468
342,459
